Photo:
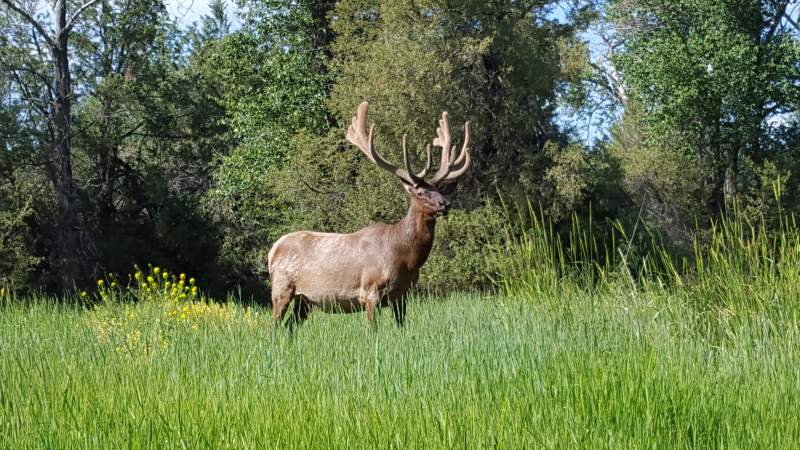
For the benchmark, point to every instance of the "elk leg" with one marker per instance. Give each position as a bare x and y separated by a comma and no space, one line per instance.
399,310
300,312
371,300
281,296
400,299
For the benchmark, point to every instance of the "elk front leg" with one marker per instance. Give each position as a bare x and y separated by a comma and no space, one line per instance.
399,300
282,294
371,302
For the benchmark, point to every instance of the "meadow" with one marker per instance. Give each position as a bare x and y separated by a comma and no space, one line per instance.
565,357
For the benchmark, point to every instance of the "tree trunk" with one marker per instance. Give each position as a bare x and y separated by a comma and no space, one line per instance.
731,173
72,252
70,257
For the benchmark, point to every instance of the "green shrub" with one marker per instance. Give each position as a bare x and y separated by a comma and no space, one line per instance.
460,259
18,260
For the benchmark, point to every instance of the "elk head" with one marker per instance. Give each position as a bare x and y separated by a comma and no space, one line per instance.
431,195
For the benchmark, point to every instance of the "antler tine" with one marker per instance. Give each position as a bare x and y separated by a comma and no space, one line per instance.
464,148
442,140
463,159
427,164
460,171
416,180
449,160
357,135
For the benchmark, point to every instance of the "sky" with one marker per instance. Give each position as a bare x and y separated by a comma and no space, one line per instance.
187,11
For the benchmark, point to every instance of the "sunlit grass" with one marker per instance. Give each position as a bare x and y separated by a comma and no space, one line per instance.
466,372
578,349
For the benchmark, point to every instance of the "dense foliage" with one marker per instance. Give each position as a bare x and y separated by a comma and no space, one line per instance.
198,147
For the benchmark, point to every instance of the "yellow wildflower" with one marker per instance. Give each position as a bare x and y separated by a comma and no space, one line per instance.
83,294
156,270
150,280
138,276
165,274
113,284
194,290
100,283
191,281
183,276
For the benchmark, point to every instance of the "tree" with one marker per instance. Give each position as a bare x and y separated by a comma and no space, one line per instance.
18,260
273,76
145,125
215,25
495,63
72,254
714,72
149,127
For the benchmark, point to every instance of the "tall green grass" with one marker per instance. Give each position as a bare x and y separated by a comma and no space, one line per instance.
736,266
664,353
466,372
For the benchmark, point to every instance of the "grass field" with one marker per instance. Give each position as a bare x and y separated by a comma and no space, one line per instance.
466,372
564,355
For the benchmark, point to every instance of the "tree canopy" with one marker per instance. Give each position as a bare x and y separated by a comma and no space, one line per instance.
200,145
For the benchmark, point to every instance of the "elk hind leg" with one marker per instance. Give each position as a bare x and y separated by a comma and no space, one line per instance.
399,310
300,311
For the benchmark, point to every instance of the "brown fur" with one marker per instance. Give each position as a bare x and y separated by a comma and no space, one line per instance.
373,267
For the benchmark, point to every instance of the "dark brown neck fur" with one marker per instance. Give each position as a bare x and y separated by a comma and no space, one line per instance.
415,234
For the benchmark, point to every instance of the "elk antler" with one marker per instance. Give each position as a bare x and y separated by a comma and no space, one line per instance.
357,134
427,164
451,167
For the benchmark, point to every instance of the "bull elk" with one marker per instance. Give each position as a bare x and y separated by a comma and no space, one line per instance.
377,265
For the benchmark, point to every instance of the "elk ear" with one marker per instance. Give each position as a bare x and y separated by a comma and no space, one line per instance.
411,189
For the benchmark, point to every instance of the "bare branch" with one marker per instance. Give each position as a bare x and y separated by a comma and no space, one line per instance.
33,72
77,14
792,22
776,20
32,21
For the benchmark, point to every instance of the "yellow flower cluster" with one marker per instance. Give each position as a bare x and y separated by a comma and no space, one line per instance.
122,332
200,312
169,305
162,285
155,284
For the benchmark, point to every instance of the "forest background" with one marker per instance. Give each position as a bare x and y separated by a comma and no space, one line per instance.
127,137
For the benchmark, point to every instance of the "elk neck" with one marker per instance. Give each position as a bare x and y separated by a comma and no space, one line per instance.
415,234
